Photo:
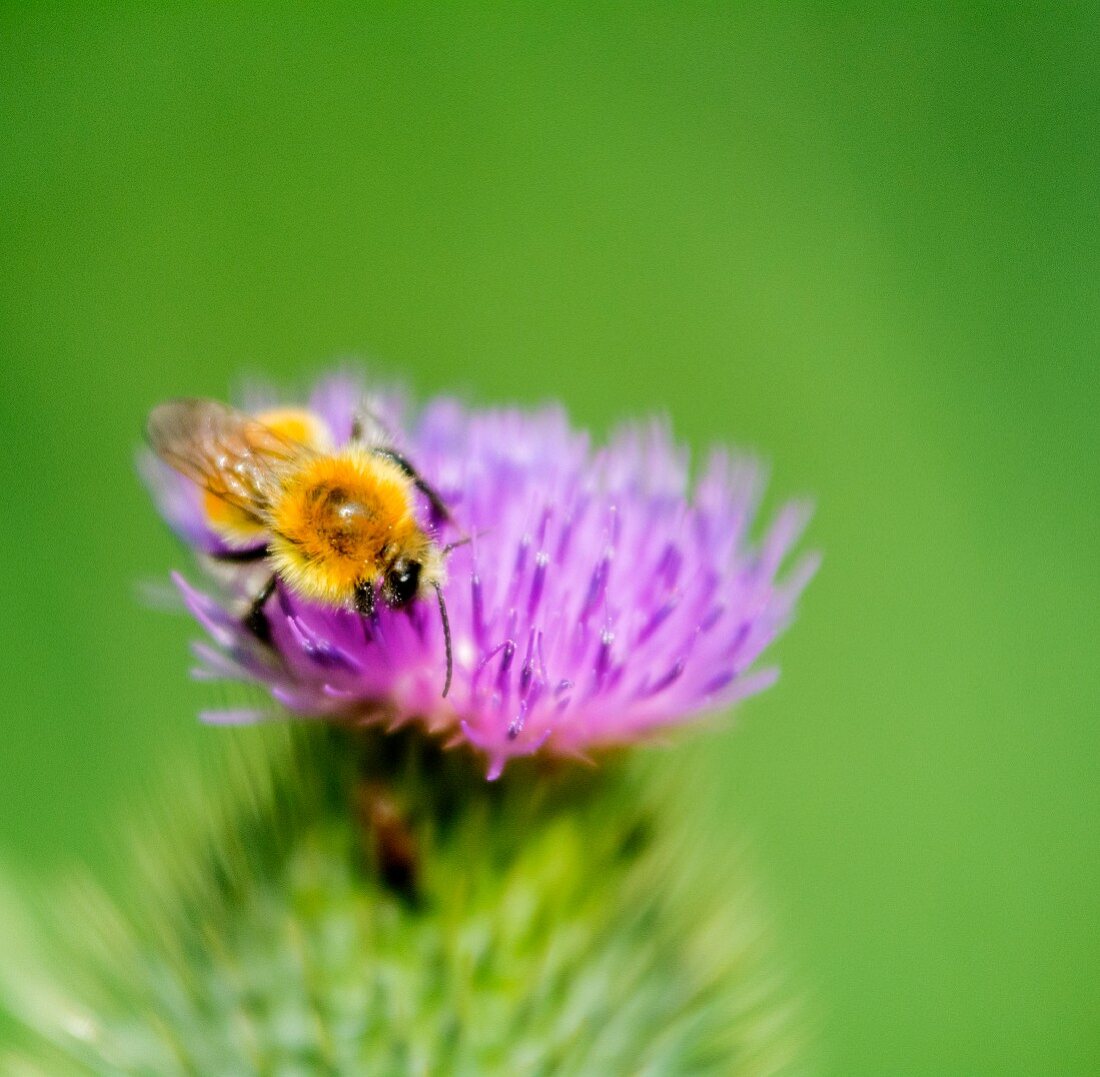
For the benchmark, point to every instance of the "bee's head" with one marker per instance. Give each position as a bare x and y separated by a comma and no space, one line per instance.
401,582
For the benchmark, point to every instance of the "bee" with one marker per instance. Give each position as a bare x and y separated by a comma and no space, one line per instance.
335,524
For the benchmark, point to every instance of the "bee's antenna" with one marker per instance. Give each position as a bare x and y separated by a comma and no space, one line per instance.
455,545
446,637
462,542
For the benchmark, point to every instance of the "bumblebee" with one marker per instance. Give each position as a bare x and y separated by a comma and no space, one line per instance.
336,525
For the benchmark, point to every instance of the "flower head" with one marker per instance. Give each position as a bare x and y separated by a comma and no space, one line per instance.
596,595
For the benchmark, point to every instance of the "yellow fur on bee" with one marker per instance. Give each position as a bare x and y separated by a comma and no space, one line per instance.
340,520
234,524
298,425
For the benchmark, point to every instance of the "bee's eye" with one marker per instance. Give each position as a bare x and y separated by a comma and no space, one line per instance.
401,584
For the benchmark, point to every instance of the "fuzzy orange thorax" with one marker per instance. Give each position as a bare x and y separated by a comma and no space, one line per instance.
340,520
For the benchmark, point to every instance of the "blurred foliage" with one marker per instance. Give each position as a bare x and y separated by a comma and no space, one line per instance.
361,902
862,242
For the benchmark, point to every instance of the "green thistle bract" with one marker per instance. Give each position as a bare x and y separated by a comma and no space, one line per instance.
338,902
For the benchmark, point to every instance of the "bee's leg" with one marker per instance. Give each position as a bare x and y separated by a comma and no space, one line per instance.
256,620
241,557
364,598
439,508
364,606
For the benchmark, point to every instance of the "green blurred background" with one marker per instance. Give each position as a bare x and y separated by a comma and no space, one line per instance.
866,245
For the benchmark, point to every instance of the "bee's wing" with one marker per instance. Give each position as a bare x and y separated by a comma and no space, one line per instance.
234,456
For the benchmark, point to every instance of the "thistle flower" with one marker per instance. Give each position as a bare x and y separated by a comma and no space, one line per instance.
597,597
336,898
